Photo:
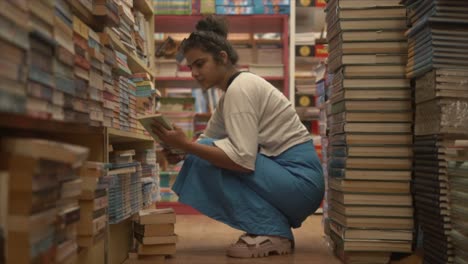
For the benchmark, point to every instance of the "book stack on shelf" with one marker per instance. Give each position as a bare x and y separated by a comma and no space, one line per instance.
249,7
149,176
43,210
14,58
174,7
458,185
93,204
370,131
437,64
109,93
82,69
124,186
154,236
96,81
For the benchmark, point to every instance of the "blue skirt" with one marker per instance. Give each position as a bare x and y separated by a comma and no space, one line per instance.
281,193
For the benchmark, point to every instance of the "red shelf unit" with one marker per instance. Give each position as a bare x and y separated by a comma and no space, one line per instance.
237,24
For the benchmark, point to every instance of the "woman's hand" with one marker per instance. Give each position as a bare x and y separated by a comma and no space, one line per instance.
173,158
174,138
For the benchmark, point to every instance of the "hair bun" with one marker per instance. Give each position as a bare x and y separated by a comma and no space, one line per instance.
215,24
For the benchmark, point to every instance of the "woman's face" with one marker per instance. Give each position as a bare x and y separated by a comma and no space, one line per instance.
205,69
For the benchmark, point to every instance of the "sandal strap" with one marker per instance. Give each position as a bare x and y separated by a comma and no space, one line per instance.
258,240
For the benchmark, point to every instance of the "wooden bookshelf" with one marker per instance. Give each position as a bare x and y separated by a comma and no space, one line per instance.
121,136
134,63
145,6
24,122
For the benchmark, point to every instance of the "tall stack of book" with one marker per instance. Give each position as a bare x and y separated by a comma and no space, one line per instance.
93,204
110,93
149,176
96,80
121,112
42,210
140,35
13,74
41,59
323,81
82,74
458,185
154,234
64,59
437,64
124,186
126,25
370,131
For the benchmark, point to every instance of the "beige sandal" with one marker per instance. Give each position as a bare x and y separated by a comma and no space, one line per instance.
249,246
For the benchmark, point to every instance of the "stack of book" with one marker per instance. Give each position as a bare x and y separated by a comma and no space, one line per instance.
140,35
149,176
41,60
96,81
43,190
458,184
431,194
437,64
127,22
132,107
173,7
109,93
124,186
79,105
106,11
370,131
154,236
64,60
93,204
13,59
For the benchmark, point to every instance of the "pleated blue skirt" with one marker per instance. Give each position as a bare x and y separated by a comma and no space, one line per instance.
279,195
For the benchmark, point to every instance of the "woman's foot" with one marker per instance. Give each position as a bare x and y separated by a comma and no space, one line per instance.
252,246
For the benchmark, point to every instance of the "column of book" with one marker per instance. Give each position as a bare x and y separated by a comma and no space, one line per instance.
370,115
93,204
43,190
437,63
154,236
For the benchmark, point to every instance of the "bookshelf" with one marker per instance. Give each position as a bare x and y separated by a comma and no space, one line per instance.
145,6
250,24
117,239
134,63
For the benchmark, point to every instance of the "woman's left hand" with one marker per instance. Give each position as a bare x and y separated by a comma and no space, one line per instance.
175,138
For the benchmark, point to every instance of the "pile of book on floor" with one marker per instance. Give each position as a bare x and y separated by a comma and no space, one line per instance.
370,119
323,83
437,64
43,208
93,204
458,185
154,236
124,186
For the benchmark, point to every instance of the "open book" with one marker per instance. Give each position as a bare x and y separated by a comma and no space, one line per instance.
148,120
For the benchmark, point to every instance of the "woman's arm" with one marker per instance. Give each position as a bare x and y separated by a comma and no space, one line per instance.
214,155
177,139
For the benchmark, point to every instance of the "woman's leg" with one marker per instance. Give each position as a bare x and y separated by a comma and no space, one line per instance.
266,202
